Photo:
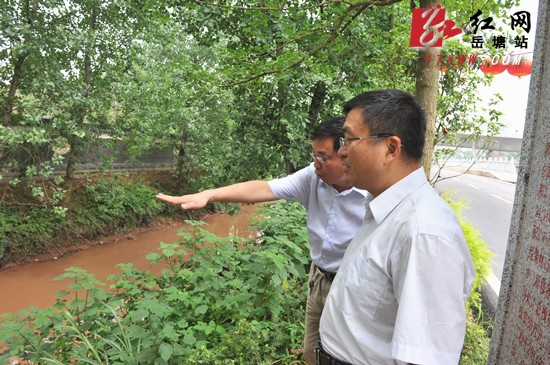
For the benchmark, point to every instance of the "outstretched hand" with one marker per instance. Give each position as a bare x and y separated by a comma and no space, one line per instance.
192,201
246,192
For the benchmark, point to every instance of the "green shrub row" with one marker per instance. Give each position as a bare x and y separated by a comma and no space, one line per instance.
477,341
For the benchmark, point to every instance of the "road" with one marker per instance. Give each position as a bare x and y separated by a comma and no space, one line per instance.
490,209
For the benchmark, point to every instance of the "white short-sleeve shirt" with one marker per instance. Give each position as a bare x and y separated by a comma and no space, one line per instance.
333,217
399,296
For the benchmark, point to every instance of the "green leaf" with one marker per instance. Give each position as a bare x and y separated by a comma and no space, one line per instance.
165,351
189,339
153,256
201,309
61,294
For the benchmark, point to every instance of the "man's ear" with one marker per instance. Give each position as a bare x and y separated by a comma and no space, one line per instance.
394,147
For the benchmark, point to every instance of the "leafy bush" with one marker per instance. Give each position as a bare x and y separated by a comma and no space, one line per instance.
230,300
111,201
477,341
103,207
23,232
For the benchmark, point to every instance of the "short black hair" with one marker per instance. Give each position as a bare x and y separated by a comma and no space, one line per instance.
330,128
393,112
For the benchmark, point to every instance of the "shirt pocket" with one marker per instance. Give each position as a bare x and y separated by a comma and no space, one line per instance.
363,288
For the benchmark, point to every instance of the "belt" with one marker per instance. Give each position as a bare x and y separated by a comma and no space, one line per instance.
324,358
327,274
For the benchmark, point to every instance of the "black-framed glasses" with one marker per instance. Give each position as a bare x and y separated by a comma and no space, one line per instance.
344,142
322,159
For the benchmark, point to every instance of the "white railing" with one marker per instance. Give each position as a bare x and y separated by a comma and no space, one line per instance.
499,164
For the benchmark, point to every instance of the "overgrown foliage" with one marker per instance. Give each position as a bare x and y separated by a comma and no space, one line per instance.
218,301
244,80
103,206
477,340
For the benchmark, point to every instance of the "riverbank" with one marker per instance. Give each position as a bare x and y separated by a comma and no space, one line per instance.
250,311
32,283
57,252
94,207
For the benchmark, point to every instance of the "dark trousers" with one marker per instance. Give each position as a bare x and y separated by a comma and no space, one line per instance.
324,358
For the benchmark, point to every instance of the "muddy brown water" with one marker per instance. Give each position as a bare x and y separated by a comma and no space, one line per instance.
32,285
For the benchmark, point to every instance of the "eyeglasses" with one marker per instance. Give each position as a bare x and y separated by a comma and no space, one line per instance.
322,159
344,142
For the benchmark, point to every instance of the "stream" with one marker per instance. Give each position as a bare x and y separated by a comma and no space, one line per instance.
32,285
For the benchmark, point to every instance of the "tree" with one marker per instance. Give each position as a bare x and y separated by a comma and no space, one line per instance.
274,38
26,30
95,48
458,112
426,91
290,65
245,81
62,59
169,98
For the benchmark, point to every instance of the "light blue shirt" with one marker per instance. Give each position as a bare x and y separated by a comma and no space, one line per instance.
399,296
333,218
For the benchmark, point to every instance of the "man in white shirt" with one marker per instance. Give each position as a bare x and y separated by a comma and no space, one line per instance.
399,296
335,212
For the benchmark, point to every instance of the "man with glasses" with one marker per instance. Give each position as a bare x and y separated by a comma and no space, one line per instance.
399,296
335,212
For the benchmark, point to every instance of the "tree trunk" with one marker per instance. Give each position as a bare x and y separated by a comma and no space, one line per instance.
183,163
17,69
319,92
76,146
8,109
427,83
71,163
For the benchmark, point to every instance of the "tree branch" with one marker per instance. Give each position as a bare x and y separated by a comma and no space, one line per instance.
351,5
335,32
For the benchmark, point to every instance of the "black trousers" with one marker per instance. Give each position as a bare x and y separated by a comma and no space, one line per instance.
324,358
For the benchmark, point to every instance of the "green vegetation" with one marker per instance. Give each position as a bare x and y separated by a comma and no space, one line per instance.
245,80
478,330
100,207
230,301
218,301
233,89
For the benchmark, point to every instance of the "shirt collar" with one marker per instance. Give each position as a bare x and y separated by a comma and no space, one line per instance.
383,204
353,189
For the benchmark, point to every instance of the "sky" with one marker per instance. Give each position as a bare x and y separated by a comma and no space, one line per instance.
514,90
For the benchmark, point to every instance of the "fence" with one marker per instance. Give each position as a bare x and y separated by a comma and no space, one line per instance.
95,158
495,164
